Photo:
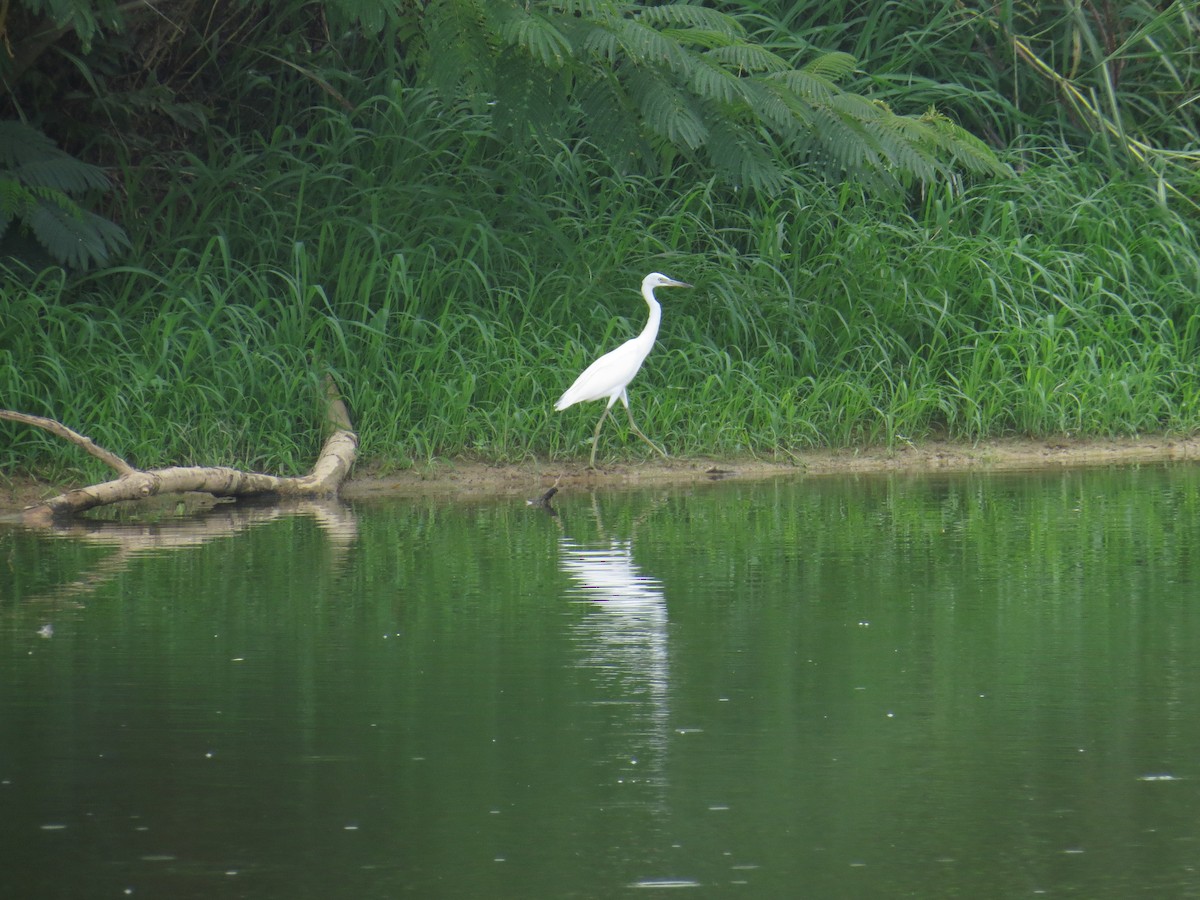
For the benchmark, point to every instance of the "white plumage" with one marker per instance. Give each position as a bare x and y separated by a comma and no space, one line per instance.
609,375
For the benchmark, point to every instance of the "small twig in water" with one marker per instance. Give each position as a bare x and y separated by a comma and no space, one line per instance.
543,502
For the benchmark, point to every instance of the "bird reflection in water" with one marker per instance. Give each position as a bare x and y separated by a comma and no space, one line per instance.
623,642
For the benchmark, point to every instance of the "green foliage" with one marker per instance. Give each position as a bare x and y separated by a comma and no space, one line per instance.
83,17
1115,78
36,183
370,15
751,91
687,81
454,305
455,278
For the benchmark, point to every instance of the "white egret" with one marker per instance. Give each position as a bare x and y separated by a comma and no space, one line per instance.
609,375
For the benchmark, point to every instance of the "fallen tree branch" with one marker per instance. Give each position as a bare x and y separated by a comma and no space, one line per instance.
60,430
328,473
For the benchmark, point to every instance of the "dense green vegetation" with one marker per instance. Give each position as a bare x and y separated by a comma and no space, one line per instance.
455,277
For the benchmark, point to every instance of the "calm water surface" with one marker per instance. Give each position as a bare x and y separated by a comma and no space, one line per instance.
969,686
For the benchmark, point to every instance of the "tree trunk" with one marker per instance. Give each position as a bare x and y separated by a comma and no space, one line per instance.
325,480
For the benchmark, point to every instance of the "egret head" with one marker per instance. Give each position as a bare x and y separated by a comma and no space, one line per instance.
658,279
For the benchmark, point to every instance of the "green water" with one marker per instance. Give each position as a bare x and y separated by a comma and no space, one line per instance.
971,686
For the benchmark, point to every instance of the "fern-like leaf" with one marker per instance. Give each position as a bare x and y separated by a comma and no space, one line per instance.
667,110
743,159
61,172
612,122
968,150
20,144
15,199
746,58
36,181
536,36
714,82
686,74
702,38
830,65
73,236
646,45
527,96
809,86
675,15
462,45
587,9
602,42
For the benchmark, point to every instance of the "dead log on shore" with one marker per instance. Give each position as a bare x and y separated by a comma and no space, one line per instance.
332,467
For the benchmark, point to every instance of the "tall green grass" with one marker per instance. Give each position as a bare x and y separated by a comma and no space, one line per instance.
454,288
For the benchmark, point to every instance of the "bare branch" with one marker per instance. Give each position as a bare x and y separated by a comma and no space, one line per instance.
57,428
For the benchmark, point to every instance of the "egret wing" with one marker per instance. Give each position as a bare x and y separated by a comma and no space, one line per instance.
607,376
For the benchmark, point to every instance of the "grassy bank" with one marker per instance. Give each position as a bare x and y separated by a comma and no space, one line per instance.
455,301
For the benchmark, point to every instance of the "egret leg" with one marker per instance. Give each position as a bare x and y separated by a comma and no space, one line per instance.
638,431
596,436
